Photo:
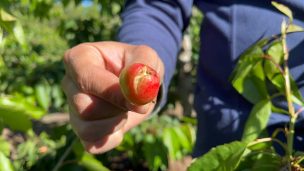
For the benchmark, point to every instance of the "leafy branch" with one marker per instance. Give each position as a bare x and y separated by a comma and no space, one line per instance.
261,76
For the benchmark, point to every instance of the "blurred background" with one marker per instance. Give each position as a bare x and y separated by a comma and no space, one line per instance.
34,128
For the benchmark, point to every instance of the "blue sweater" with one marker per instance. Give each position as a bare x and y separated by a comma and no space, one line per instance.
229,27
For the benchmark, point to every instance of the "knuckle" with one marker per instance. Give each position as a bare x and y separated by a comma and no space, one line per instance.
81,46
81,103
91,131
83,79
66,57
71,53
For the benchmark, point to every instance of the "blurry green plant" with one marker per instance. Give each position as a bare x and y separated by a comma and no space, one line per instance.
31,49
194,32
158,140
98,22
33,37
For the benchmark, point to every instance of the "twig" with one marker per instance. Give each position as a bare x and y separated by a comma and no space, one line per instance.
261,140
65,154
277,131
299,111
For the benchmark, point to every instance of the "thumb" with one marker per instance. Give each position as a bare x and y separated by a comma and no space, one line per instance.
147,56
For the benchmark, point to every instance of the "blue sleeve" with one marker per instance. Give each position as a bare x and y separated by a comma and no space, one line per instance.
158,24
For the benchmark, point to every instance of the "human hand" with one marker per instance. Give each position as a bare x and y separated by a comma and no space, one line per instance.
99,113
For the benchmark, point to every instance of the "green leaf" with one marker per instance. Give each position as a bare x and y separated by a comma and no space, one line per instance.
295,90
189,132
277,79
297,100
5,16
260,146
263,161
247,61
1,38
294,28
283,9
252,85
276,52
1,125
240,77
278,110
257,120
17,112
4,147
221,158
42,93
86,159
5,163
169,139
15,119
19,34
7,26
58,96
91,163
155,153
272,71
21,104
184,142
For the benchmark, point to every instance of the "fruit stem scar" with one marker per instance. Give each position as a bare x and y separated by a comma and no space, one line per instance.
143,73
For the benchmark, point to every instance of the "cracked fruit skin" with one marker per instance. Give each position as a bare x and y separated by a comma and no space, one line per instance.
139,83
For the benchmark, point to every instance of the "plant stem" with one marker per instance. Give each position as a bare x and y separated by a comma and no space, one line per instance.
261,140
299,111
290,135
300,160
65,154
277,131
291,110
268,139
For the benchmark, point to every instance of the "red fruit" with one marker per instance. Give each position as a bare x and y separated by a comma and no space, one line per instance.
139,83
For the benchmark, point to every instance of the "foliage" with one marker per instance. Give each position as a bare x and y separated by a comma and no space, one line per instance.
35,148
20,107
194,32
261,76
225,157
158,140
34,35
90,24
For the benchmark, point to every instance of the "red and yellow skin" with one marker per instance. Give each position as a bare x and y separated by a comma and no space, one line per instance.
139,83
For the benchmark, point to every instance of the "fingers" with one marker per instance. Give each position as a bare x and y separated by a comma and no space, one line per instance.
113,140
99,113
95,68
92,118
86,106
107,143
92,131
86,67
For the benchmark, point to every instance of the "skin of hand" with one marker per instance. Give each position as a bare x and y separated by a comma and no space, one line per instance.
99,113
